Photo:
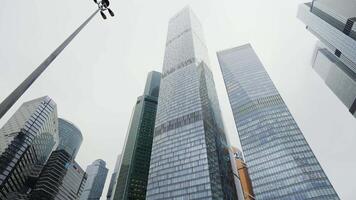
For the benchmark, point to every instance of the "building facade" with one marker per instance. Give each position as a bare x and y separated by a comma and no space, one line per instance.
113,179
334,24
61,178
70,137
96,176
281,163
189,158
243,175
134,166
26,142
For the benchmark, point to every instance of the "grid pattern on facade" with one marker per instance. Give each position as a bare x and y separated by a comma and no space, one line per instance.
188,159
96,176
333,23
135,163
329,30
32,133
281,163
61,178
141,162
133,173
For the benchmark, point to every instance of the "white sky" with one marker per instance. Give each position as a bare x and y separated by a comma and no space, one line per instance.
96,80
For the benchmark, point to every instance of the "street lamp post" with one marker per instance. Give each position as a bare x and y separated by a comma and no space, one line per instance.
103,6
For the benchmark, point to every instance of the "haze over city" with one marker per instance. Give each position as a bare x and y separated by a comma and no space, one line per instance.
96,80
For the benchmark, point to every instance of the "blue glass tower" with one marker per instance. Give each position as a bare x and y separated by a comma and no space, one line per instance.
189,157
281,163
70,137
95,182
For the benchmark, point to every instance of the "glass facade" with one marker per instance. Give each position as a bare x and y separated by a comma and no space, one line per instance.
189,157
135,162
334,24
70,137
96,176
26,141
280,161
336,75
61,178
113,179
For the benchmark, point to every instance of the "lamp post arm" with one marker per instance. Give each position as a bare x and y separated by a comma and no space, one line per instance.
18,92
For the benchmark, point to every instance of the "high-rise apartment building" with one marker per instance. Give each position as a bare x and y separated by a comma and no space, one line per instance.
26,142
281,163
189,158
334,24
113,179
135,162
61,178
70,137
96,176
243,175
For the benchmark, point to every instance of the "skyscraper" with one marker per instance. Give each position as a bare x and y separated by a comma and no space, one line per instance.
243,174
70,137
333,22
189,158
135,162
113,179
61,178
96,176
281,163
26,142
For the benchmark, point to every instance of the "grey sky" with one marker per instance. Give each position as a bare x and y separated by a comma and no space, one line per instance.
96,80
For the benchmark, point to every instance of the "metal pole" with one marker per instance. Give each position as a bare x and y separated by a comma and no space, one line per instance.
312,6
18,92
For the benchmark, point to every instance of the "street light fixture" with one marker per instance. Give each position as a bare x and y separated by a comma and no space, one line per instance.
9,101
103,6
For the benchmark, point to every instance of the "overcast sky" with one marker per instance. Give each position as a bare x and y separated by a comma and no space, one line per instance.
96,80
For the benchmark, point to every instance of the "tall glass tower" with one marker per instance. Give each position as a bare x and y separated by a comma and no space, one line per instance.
189,157
334,24
60,178
70,137
96,176
135,162
281,163
26,141
113,179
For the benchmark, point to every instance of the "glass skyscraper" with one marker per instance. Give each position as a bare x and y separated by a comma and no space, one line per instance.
135,162
113,179
61,178
334,24
96,176
70,137
189,158
26,142
281,163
